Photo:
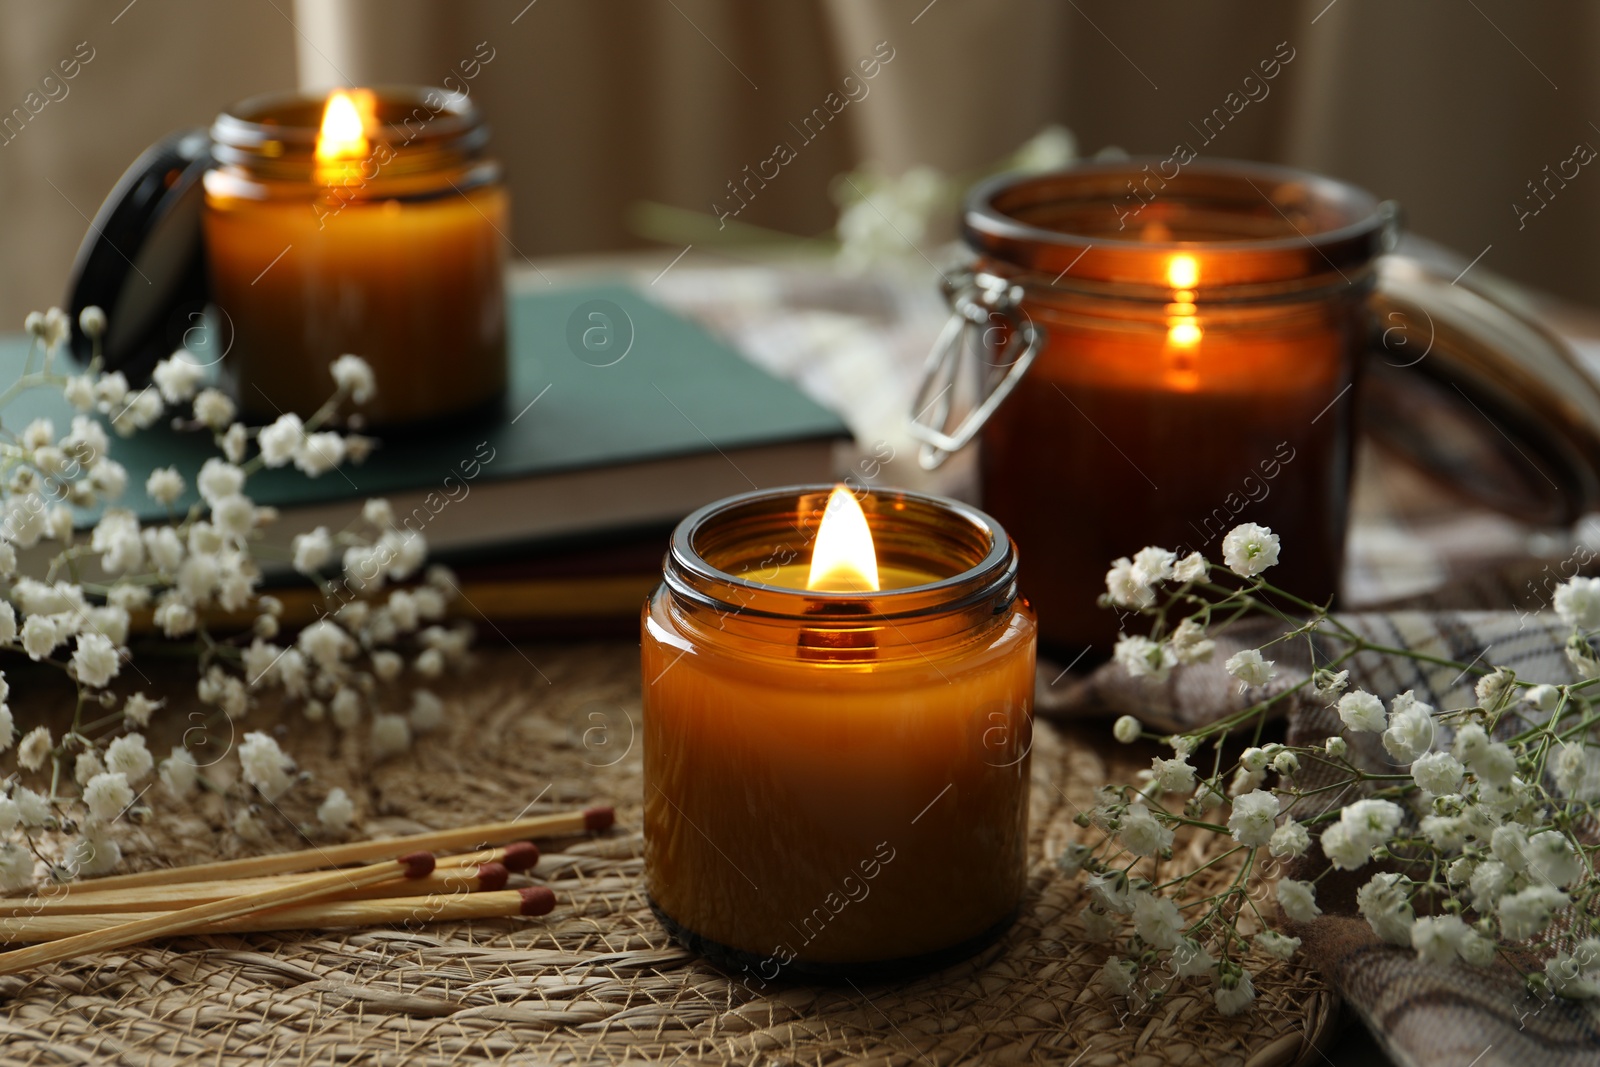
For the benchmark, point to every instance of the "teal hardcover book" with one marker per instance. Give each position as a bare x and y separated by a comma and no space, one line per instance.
620,414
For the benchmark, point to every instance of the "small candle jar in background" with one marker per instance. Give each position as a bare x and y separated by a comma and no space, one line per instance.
386,242
837,781
1198,337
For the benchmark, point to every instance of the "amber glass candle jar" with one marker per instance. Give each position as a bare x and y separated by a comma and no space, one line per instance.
1193,342
383,239
836,782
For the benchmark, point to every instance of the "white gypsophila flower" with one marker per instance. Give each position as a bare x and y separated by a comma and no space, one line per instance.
1290,839
16,868
1157,921
1069,862
1109,892
93,853
79,392
215,409
1234,994
1491,761
1249,549
379,512
35,747
429,664
345,708
430,602
280,441
1577,601
1171,775
38,434
1570,979
1345,851
1576,769
325,644
1410,731
1253,818
1437,938
1527,913
1124,588
403,611
1489,882
312,550
336,812
107,795
178,376
219,479
86,766
1286,763
10,815
32,808
260,662
40,636
265,765
92,321
1298,899
175,618
1494,688
404,552
1437,772
179,773
1328,684
1445,832
1152,565
1190,643
116,536
233,442
95,661
1143,658
8,560
1117,976
164,547
138,708
1244,780
1249,667
1384,904
1477,950
8,727
234,516
427,712
1542,697
1190,959
1097,925
1278,946
1553,860
247,825
138,412
354,375
391,735
387,665
128,755
1372,821
1190,568
1361,711
319,453
1255,758
1142,834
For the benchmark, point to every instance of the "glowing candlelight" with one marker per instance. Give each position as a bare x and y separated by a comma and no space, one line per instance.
346,119
843,560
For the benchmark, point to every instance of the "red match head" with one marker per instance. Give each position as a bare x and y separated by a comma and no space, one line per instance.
417,864
537,900
492,876
599,818
520,857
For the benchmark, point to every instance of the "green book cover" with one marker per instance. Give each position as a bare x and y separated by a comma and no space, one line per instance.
601,377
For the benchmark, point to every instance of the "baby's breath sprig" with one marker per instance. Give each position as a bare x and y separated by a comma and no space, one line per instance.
193,578
1476,841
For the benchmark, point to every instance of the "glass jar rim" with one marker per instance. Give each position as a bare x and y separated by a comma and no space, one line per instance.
245,129
989,572
1357,226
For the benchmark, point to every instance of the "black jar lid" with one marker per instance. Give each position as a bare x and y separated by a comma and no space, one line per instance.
143,258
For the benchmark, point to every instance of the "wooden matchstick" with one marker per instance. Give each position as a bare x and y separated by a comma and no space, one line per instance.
486,877
591,820
167,924
533,900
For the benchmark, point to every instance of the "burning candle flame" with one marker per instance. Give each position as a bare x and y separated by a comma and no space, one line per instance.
843,560
346,119
1183,272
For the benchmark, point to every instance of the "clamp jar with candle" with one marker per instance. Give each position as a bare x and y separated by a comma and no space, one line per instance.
837,732
371,222
1172,361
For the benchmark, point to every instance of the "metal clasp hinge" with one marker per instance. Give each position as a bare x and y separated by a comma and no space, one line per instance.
986,316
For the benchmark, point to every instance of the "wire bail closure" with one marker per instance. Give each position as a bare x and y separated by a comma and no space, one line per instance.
990,307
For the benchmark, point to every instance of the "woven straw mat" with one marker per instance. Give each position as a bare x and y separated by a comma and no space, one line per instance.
598,981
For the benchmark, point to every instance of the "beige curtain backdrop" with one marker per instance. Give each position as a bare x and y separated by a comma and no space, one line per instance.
1451,107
